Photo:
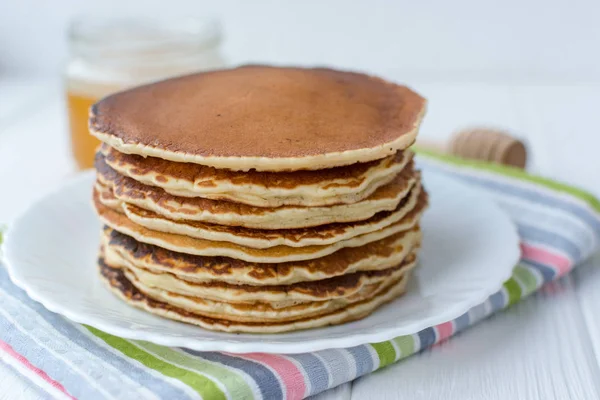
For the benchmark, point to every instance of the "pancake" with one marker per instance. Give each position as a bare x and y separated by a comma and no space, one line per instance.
275,254
259,311
262,118
374,256
227,213
260,239
107,197
261,189
276,295
124,289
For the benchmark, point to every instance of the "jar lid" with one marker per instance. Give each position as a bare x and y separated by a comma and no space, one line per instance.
151,40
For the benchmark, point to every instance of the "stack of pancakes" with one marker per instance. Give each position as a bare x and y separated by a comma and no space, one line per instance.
259,199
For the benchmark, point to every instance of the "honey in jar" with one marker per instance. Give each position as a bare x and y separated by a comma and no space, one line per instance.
108,55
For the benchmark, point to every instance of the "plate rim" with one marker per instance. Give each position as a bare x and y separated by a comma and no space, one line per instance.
266,343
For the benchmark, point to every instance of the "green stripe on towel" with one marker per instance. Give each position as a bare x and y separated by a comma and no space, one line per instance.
406,344
385,352
527,279
236,386
514,291
202,385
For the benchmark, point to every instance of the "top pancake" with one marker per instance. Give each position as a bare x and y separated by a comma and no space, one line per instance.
265,118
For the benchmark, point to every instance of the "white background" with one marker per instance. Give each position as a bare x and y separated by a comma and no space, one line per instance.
463,39
531,66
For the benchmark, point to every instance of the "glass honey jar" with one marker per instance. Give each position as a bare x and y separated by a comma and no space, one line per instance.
111,54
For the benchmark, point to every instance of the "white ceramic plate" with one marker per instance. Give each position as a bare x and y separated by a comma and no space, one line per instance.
470,247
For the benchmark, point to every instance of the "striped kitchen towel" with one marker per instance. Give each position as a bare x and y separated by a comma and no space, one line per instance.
559,227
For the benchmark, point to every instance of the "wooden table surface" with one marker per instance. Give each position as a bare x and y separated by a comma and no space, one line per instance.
547,347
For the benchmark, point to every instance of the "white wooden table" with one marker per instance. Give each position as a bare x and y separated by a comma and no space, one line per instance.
547,347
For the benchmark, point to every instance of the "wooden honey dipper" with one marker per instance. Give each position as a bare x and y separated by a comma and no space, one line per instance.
483,144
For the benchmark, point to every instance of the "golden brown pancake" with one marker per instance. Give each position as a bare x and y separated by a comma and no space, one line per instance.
386,198
275,254
263,118
259,199
261,239
374,256
123,288
259,311
347,184
276,295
